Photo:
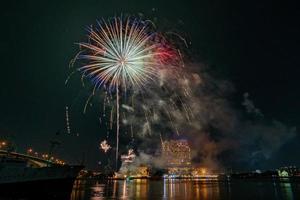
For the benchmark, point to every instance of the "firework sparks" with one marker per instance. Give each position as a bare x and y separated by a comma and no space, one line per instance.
129,158
105,146
122,53
68,120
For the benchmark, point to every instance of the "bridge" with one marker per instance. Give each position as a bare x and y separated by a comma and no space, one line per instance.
32,160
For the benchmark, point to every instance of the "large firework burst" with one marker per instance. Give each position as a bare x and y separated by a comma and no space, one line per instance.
122,52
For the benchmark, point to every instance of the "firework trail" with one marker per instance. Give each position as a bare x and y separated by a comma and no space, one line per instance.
68,120
122,54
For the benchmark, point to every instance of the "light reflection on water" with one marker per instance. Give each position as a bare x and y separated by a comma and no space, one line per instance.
183,189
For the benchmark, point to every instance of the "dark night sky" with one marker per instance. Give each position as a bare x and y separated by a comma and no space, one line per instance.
253,44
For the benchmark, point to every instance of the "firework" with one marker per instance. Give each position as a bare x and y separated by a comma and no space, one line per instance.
104,146
68,120
122,53
129,158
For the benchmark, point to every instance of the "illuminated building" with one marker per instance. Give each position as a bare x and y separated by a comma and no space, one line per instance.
283,173
142,171
127,171
288,171
176,153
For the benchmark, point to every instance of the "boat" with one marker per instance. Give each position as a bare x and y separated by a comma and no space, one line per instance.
26,176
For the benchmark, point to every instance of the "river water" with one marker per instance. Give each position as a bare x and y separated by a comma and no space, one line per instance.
184,189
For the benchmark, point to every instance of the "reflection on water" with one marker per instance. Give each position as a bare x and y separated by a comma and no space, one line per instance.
287,190
183,189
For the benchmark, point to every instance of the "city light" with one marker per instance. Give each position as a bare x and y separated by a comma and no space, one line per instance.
3,144
29,151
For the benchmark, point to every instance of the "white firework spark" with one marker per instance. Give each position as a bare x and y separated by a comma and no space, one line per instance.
105,146
121,53
129,158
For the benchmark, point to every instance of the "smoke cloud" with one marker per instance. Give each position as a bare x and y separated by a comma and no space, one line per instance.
190,104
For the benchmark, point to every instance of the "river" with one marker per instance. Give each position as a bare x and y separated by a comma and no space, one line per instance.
185,189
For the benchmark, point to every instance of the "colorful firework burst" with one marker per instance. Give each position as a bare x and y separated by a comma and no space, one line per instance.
123,52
